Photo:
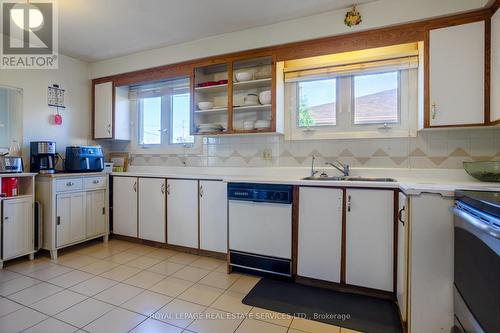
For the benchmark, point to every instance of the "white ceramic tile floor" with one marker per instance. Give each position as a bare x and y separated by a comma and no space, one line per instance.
116,286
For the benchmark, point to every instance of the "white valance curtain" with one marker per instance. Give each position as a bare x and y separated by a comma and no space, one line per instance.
159,88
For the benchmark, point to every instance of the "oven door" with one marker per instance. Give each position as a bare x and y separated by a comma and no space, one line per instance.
477,269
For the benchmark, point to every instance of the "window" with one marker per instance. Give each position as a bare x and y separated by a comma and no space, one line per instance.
368,93
163,114
376,98
317,103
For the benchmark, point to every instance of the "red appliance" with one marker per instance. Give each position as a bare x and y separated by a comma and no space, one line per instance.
9,186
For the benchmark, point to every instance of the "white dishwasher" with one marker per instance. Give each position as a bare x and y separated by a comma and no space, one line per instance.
260,228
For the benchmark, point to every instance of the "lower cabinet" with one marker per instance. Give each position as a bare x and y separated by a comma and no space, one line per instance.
96,213
182,212
369,238
213,215
18,231
125,206
70,225
320,233
151,213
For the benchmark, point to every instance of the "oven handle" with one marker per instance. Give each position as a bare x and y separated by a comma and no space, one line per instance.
475,222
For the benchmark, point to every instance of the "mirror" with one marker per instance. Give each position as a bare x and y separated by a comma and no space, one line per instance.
10,116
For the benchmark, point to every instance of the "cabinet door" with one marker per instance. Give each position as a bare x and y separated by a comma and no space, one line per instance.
402,278
18,228
456,65
125,206
152,219
96,213
103,110
495,67
320,233
182,212
213,216
70,209
369,238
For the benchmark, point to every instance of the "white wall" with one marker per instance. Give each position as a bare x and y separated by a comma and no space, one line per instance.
375,14
72,76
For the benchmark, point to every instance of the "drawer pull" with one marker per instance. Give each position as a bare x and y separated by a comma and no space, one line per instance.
95,181
70,184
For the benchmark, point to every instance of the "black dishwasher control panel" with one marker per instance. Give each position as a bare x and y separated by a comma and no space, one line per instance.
282,194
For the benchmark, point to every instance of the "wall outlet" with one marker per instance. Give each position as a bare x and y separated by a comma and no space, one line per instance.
267,154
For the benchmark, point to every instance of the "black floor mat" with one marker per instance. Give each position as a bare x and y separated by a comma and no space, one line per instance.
357,312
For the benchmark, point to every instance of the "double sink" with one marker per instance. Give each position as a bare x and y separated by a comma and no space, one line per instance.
350,178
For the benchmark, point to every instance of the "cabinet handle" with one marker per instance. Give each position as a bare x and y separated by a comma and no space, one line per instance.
201,191
348,203
135,186
168,189
95,181
400,215
434,110
58,220
70,184
163,188
103,210
109,129
6,218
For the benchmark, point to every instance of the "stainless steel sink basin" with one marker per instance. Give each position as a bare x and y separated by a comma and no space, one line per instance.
351,179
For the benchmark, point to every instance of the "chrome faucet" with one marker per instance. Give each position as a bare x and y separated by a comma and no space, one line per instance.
313,172
344,168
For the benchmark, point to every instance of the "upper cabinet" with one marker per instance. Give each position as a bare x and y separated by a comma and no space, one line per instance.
111,112
237,96
495,68
457,75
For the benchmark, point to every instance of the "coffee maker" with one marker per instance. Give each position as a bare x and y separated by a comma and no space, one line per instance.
43,156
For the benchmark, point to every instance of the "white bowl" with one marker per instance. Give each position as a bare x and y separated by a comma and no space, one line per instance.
248,125
205,105
262,75
251,99
265,97
243,76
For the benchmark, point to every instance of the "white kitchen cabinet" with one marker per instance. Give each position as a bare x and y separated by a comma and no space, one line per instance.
369,238
111,112
103,110
125,206
495,67
320,233
182,212
70,218
213,215
18,229
152,214
74,208
456,75
402,260
96,213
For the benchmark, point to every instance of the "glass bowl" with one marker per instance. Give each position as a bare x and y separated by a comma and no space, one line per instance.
486,171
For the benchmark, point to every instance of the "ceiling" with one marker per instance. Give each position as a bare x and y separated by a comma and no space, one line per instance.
94,30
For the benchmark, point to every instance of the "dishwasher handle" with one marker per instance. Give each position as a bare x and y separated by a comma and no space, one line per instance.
476,222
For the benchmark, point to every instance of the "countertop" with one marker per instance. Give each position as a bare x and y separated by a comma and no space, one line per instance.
410,181
19,174
69,174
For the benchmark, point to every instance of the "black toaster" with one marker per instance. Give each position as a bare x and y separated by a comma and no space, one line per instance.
84,159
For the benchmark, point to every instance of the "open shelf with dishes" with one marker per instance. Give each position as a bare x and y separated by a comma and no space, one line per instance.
235,97
210,99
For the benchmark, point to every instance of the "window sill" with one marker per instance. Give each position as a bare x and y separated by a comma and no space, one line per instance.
380,134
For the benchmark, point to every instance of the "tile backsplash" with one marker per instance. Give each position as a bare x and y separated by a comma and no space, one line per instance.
430,149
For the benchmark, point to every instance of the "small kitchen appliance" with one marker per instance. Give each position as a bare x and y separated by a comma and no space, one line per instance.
260,228
84,159
11,164
43,156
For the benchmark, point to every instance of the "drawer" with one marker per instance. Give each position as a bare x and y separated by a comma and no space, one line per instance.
69,184
95,182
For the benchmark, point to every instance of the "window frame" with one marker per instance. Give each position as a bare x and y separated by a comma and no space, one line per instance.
297,116
408,89
165,146
353,98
